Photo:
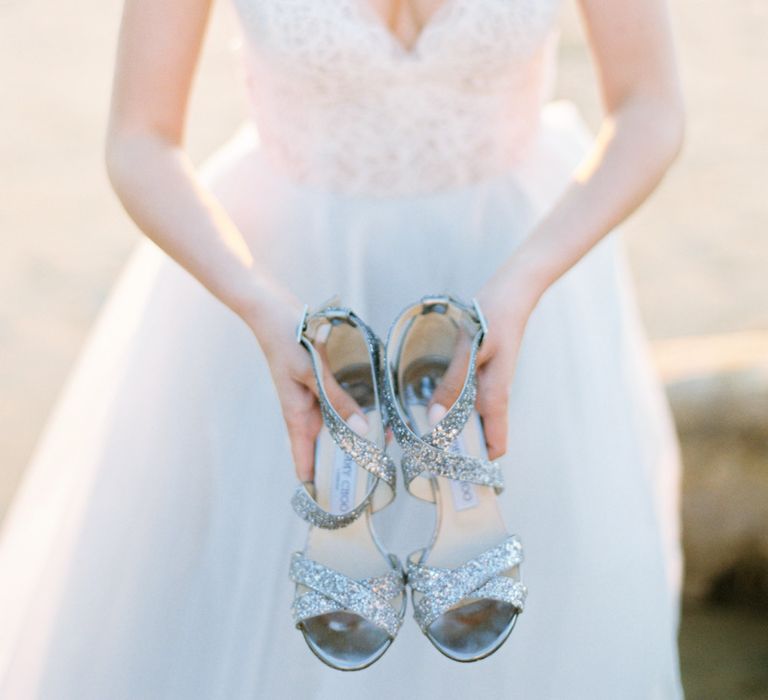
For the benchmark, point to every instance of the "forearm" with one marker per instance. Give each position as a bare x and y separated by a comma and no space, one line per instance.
633,149
157,184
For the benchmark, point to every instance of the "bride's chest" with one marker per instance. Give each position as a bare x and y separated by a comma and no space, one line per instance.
468,39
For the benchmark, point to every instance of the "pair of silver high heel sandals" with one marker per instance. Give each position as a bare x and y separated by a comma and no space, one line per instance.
465,586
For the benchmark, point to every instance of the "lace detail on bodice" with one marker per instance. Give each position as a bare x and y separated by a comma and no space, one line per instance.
339,102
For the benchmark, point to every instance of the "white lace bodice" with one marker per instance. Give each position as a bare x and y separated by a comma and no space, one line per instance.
339,102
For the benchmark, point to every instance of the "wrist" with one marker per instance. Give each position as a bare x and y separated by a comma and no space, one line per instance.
524,277
260,301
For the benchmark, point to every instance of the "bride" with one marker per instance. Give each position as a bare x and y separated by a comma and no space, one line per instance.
394,149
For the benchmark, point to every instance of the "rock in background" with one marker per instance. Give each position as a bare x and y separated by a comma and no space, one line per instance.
718,388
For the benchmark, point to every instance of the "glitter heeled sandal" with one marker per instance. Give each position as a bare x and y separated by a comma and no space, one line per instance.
465,583
350,597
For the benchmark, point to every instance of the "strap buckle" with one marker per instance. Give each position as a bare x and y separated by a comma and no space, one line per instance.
302,327
480,318
329,310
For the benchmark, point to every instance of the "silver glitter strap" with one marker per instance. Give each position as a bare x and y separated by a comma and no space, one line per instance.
419,457
479,578
331,591
362,451
431,452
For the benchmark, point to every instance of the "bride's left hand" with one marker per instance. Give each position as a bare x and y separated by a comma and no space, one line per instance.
506,315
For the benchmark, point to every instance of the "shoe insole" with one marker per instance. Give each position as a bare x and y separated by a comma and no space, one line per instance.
340,484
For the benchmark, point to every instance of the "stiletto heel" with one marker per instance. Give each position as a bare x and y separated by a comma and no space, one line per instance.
350,598
465,583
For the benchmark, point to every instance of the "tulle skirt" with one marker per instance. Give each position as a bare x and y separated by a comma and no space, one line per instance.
146,553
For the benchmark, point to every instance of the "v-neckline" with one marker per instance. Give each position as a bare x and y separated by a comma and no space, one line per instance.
413,51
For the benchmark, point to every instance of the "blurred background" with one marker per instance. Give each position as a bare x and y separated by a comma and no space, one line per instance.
699,253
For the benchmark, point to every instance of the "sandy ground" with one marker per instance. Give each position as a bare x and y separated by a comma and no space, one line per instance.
698,248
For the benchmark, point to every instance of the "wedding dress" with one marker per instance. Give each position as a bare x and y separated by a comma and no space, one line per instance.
146,553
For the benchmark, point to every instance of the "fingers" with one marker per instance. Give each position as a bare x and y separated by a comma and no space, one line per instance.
452,381
303,422
493,383
493,406
345,405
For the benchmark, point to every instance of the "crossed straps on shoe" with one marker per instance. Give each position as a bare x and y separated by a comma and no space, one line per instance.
362,451
430,452
481,577
331,591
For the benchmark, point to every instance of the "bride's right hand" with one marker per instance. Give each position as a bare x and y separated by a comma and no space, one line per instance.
294,380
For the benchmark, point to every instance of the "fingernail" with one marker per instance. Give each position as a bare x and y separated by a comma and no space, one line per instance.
436,413
358,423
309,485
322,333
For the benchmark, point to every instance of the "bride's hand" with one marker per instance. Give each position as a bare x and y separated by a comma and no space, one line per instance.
506,316
294,379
